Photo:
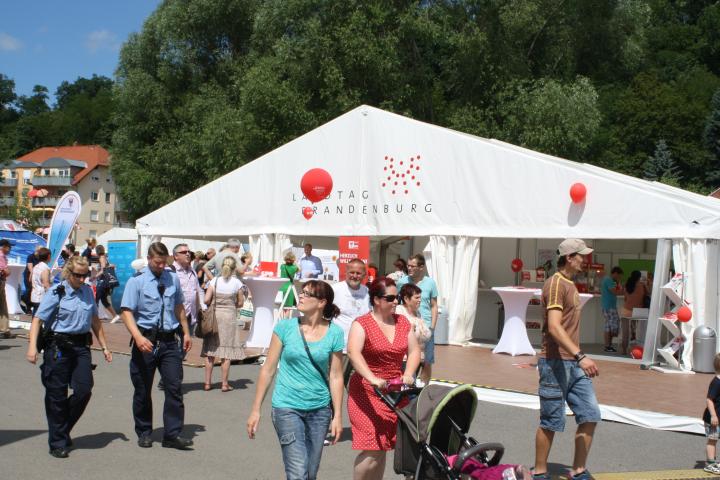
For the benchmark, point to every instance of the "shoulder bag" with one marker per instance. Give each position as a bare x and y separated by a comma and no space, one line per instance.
317,367
207,325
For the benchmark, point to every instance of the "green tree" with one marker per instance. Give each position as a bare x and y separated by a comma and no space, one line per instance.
661,166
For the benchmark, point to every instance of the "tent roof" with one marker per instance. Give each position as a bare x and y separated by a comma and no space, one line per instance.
448,183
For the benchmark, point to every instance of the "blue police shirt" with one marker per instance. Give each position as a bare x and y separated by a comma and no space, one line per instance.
142,298
76,310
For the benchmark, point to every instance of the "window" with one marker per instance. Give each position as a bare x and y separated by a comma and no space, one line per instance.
46,171
26,176
107,217
94,196
94,217
13,174
63,173
107,198
93,233
11,193
96,178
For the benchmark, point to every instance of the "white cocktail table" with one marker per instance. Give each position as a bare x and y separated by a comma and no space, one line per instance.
514,339
12,284
264,290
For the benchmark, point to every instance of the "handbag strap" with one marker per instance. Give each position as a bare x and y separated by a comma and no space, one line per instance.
312,360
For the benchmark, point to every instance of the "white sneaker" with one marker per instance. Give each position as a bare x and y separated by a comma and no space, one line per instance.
115,319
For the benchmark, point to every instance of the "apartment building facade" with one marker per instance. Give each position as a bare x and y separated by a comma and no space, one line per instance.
39,179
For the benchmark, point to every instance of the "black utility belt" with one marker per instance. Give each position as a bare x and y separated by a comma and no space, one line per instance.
65,340
154,334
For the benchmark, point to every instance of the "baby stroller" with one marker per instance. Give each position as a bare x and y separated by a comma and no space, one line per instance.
434,426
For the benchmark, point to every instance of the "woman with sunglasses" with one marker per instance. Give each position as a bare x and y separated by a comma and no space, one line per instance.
68,311
377,344
308,390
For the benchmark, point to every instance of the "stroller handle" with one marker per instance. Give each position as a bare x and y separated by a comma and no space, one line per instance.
463,456
393,398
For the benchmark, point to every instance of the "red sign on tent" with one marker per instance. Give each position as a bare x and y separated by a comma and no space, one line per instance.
350,248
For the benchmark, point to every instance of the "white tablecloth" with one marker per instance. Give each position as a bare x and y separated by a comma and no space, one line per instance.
264,290
12,289
514,339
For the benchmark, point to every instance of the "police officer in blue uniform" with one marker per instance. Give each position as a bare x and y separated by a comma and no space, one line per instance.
68,312
153,312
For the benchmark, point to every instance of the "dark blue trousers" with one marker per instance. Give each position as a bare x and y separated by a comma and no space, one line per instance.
60,369
167,358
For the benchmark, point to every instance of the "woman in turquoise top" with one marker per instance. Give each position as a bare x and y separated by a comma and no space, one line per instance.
308,391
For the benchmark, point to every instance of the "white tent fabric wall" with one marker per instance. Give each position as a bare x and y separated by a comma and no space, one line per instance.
269,247
700,258
454,265
663,257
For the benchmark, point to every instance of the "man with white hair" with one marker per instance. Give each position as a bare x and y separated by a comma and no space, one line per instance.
215,263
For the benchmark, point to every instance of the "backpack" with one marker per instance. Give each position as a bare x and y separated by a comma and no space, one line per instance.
109,277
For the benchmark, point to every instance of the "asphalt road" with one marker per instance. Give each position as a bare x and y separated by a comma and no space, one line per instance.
105,444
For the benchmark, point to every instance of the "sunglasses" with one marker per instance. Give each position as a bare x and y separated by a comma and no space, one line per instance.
390,298
184,252
305,293
80,276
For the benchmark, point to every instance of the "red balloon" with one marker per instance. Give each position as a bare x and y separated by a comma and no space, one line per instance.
578,192
316,184
516,265
637,352
307,212
684,314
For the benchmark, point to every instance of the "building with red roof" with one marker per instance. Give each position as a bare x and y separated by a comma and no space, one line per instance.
39,178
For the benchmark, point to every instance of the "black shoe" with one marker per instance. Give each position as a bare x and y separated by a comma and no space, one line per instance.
145,442
177,442
610,348
59,452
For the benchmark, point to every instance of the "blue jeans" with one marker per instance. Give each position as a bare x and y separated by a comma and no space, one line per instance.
301,434
564,381
430,349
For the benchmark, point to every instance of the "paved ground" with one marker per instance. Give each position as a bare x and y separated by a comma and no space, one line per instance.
105,442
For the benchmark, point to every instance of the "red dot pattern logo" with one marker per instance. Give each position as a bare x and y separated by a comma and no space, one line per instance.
409,167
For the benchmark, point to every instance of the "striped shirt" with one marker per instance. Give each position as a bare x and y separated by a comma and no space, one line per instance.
559,293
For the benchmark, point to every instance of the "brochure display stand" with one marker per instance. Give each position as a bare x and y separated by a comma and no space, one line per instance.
674,290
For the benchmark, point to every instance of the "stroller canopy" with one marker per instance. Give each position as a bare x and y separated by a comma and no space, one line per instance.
440,402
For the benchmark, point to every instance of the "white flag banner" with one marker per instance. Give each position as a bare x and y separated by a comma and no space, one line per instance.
63,221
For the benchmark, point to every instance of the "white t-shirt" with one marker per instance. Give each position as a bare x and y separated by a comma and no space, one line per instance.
352,304
229,286
38,290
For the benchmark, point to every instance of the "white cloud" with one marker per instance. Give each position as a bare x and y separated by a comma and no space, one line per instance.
8,43
102,40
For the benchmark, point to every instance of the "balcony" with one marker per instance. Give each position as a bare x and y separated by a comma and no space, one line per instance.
9,182
7,201
45,201
51,181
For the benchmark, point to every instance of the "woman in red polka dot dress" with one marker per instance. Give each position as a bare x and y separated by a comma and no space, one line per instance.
377,344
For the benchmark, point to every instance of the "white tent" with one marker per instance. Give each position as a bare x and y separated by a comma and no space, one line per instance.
393,176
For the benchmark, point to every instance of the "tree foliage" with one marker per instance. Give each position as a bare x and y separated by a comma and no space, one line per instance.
208,85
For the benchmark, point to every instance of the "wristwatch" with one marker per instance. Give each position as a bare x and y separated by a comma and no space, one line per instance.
579,355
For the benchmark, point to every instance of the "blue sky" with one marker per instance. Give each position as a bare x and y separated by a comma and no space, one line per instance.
47,41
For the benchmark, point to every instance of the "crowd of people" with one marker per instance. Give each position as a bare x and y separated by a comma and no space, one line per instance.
351,334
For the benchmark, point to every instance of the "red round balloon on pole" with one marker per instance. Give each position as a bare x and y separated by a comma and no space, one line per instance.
684,314
516,265
316,184
307,212
578,192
